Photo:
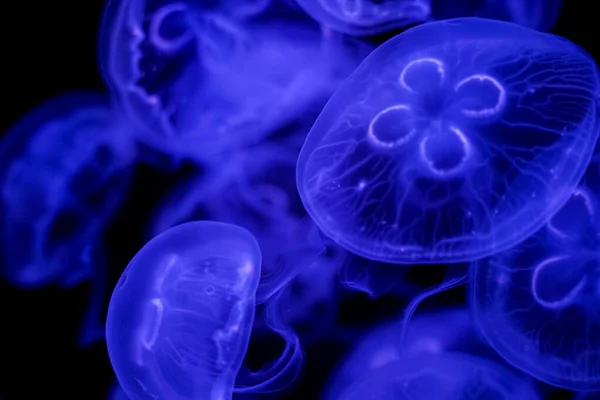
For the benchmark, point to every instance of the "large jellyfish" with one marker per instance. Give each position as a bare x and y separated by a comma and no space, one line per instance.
64,169
538,304
432,332
370,17
445,376
198,82
452,141
180,318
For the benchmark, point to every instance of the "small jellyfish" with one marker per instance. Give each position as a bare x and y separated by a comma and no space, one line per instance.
432,332
64,170
537,304
180,317
371,17
198,82
445,376
452,141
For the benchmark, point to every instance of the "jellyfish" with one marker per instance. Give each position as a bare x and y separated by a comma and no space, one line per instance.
537,304
64,170
371,17
445,376
431,332
180,317
367,17
452,141
92,327
254,189
198,82
540,15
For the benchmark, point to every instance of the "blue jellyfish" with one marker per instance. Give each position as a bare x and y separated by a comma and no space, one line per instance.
445,376
370,17
367,17
537,303
540,15
432,332
64,170
254,189
92,327
198,82
452,141
179,319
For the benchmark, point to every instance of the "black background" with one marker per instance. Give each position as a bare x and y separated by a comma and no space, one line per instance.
48,48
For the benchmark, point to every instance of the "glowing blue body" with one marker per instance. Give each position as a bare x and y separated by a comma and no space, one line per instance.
199,81
254,189
370,17
452,141
180,317
64,169
537,304
445,376
431,333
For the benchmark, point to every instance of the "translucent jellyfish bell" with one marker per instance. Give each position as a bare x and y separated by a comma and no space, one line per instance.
180,317
198,82
429,333
446,376
448,144
371,17
64,169
367,17
537,304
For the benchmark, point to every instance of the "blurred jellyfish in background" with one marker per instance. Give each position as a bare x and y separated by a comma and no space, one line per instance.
371,17
443,147
255,189
367,17
64,169
200,81
441,376
180,317
93,325
537,303
540,15
432,332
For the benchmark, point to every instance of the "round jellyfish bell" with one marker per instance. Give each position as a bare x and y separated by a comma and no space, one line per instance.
445,376
452,141
537,304
367,17
180,317
433,332
197,83
64,170
371,17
